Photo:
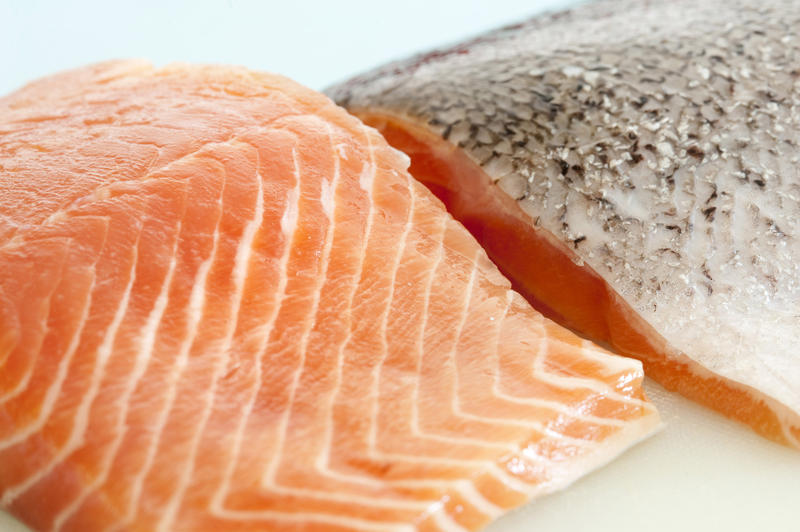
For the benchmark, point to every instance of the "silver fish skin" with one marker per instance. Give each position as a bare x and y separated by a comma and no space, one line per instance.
661,142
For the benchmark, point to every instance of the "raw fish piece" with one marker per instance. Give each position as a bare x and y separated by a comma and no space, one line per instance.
226,305
634,168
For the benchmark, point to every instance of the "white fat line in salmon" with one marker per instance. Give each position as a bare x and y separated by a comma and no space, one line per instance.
81,421
288,223
195,310
240,270
146,342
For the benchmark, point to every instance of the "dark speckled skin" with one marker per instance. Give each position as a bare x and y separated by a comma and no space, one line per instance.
660,140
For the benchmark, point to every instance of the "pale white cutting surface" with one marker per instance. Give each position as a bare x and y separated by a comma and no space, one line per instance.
702,472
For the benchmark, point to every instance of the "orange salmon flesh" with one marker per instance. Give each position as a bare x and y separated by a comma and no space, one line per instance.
226,305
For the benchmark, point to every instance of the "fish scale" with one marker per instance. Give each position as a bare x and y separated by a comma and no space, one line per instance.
656,143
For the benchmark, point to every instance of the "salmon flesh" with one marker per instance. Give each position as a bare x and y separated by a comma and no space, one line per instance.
226,305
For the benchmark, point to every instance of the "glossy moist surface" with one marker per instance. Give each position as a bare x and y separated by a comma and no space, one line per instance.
659,142
225,305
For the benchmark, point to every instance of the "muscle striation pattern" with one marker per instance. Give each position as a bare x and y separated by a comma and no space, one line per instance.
225,305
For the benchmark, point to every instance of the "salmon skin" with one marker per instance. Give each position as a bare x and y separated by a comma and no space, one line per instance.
634,168
226,305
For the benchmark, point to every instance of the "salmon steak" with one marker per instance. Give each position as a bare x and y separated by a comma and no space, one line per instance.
226,305
634,169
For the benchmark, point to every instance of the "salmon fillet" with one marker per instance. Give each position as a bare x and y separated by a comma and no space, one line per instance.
226,305
633,168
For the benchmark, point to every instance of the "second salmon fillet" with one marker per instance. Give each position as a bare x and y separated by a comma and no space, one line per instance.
634,168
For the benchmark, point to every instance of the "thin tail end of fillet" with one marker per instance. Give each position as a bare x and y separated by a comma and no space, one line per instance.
507,485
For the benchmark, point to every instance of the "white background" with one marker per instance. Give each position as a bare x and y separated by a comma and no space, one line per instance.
701,473
316,43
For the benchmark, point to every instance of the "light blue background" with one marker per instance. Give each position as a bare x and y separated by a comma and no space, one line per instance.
316,43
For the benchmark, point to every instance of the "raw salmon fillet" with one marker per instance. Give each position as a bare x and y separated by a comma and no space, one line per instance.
634,168
226,305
